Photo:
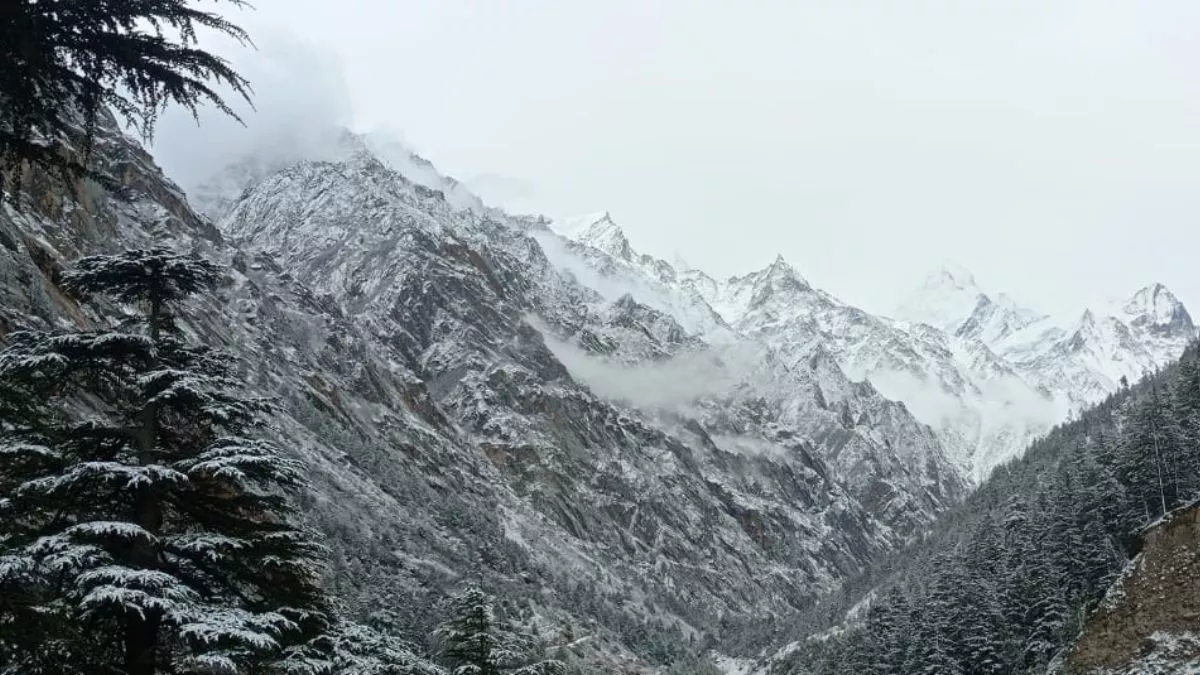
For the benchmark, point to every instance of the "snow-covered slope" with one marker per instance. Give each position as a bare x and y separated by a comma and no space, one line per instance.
216,195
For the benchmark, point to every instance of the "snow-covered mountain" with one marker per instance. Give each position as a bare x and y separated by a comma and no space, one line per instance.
480,398
985,373
615,443
953,302
1086,356
1055,365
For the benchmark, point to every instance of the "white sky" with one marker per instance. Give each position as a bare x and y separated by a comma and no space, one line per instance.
1051,146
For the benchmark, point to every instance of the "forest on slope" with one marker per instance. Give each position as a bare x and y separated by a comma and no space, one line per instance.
1004,582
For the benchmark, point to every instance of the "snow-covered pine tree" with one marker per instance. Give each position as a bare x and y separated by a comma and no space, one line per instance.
890,625
67,64
360,650
1185,395
471,645
142,528
1152,444
474,645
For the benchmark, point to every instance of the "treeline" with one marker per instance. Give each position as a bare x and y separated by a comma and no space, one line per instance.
1006,580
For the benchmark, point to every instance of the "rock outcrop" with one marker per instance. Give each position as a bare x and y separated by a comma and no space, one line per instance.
1150,621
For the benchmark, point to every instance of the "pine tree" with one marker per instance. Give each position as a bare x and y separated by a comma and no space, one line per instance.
474,644
1046,615
935,660
890,625
359,650
65,62
471,645
1152,446
151,533
1185,397
983,629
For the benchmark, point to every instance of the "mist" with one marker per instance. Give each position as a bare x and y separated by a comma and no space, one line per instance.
300,104
672,384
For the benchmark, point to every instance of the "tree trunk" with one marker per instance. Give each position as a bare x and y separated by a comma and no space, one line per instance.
141,632
141,642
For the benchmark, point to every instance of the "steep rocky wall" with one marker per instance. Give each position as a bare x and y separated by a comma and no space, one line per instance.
1150,621
446,442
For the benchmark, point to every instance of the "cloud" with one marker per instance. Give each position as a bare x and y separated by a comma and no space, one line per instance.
508,192
672,384
300,102
1002,398
1004,411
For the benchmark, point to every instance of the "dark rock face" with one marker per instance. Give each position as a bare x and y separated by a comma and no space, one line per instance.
1150,621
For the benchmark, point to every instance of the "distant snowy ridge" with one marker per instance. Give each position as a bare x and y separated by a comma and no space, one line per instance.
986,373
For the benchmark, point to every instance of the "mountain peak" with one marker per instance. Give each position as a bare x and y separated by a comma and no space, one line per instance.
954,274
946,299
599,231
778,282
1156,307
578,226
681,264
214,195
607,236
782,269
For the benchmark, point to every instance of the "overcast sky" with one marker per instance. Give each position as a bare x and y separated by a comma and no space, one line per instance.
1051,146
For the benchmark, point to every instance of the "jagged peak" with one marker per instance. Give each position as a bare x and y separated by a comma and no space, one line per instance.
216,194
946,299
778,273
1009,304
776,283
780,268
601,232
577,226
1150,296
607,236
950,272
604,226
1156,305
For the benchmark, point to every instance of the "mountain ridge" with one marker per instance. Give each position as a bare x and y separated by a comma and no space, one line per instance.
583,432
991,378
986,373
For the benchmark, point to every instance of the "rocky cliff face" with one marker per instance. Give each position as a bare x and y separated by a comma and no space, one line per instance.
1150,621
474,410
